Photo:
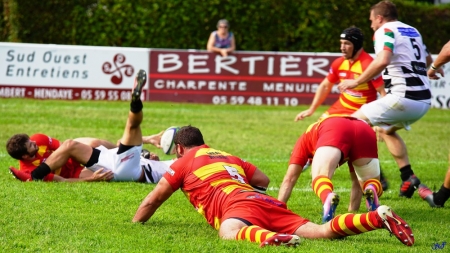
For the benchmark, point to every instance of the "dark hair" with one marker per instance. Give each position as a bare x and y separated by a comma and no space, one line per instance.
189,136
355,36
16,146
386,9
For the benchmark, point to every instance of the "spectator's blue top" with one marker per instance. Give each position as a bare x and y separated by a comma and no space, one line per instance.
222,43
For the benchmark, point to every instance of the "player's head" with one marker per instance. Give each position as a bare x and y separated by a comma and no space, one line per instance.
353,35
382,12
20,145
188,137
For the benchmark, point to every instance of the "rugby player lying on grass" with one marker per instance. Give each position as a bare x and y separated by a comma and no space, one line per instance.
125,162
221,187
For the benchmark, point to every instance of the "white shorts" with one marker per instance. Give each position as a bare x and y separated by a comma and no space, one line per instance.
125,166
392,110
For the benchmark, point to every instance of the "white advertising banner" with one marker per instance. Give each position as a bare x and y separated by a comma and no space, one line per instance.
69,72
46,71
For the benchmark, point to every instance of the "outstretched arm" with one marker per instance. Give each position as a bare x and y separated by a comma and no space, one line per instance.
153,201
322,92
289,181
375,68
154,139
441,59
99,175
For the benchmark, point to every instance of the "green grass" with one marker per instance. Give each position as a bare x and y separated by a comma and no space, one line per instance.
96,217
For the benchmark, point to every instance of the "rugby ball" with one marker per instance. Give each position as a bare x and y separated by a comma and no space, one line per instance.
167,144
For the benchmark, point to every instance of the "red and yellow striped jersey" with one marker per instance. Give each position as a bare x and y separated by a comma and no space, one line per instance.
47,145
209,178
352,99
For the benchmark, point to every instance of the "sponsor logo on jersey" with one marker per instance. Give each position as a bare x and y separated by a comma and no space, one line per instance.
170,171
126,158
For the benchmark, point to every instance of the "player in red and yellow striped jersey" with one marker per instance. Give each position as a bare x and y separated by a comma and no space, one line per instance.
350,65
332,142
35,149
223,188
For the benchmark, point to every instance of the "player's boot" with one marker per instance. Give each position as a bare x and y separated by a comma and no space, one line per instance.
395,225
282,239
18,174
139,83
329,207
426,194
371,196
408,187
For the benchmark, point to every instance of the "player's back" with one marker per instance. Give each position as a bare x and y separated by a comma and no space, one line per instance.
209,177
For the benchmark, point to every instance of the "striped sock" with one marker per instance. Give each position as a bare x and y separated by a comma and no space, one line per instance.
254,234
354,224
376,184
322,186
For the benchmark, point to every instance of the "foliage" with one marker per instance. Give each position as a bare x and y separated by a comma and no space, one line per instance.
275,25
96,217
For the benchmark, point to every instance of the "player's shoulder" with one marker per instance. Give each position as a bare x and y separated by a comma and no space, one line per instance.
39,137
337,63
365,58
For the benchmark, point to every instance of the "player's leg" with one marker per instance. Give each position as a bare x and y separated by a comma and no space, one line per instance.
368,173
353,224
326,160
239,229
356,193
437,199
132,135
80,152
94,142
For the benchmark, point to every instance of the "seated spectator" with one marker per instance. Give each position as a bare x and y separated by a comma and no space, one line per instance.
221,41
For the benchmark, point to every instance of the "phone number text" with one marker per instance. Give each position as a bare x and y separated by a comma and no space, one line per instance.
254,100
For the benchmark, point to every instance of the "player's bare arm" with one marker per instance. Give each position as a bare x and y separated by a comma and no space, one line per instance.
154,139
98,176
322,92
375,68
153,201
289,181
436,66
260,181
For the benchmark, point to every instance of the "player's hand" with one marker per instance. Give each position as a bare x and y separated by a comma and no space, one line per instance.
378,131
347,84
304,114
102,175
154,139
432,74
154,156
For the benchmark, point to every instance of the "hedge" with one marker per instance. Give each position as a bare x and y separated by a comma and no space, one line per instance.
275,25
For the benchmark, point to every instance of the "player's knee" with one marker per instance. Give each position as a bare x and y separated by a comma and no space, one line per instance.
367,171
67,144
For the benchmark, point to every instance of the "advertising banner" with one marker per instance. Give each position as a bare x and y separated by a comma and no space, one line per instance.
69,72
45,71
255,78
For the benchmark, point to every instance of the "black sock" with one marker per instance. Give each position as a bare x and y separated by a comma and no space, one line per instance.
40,172
136,106
406,172
441,196
94,158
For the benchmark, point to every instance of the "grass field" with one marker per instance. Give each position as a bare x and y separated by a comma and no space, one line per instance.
96,217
